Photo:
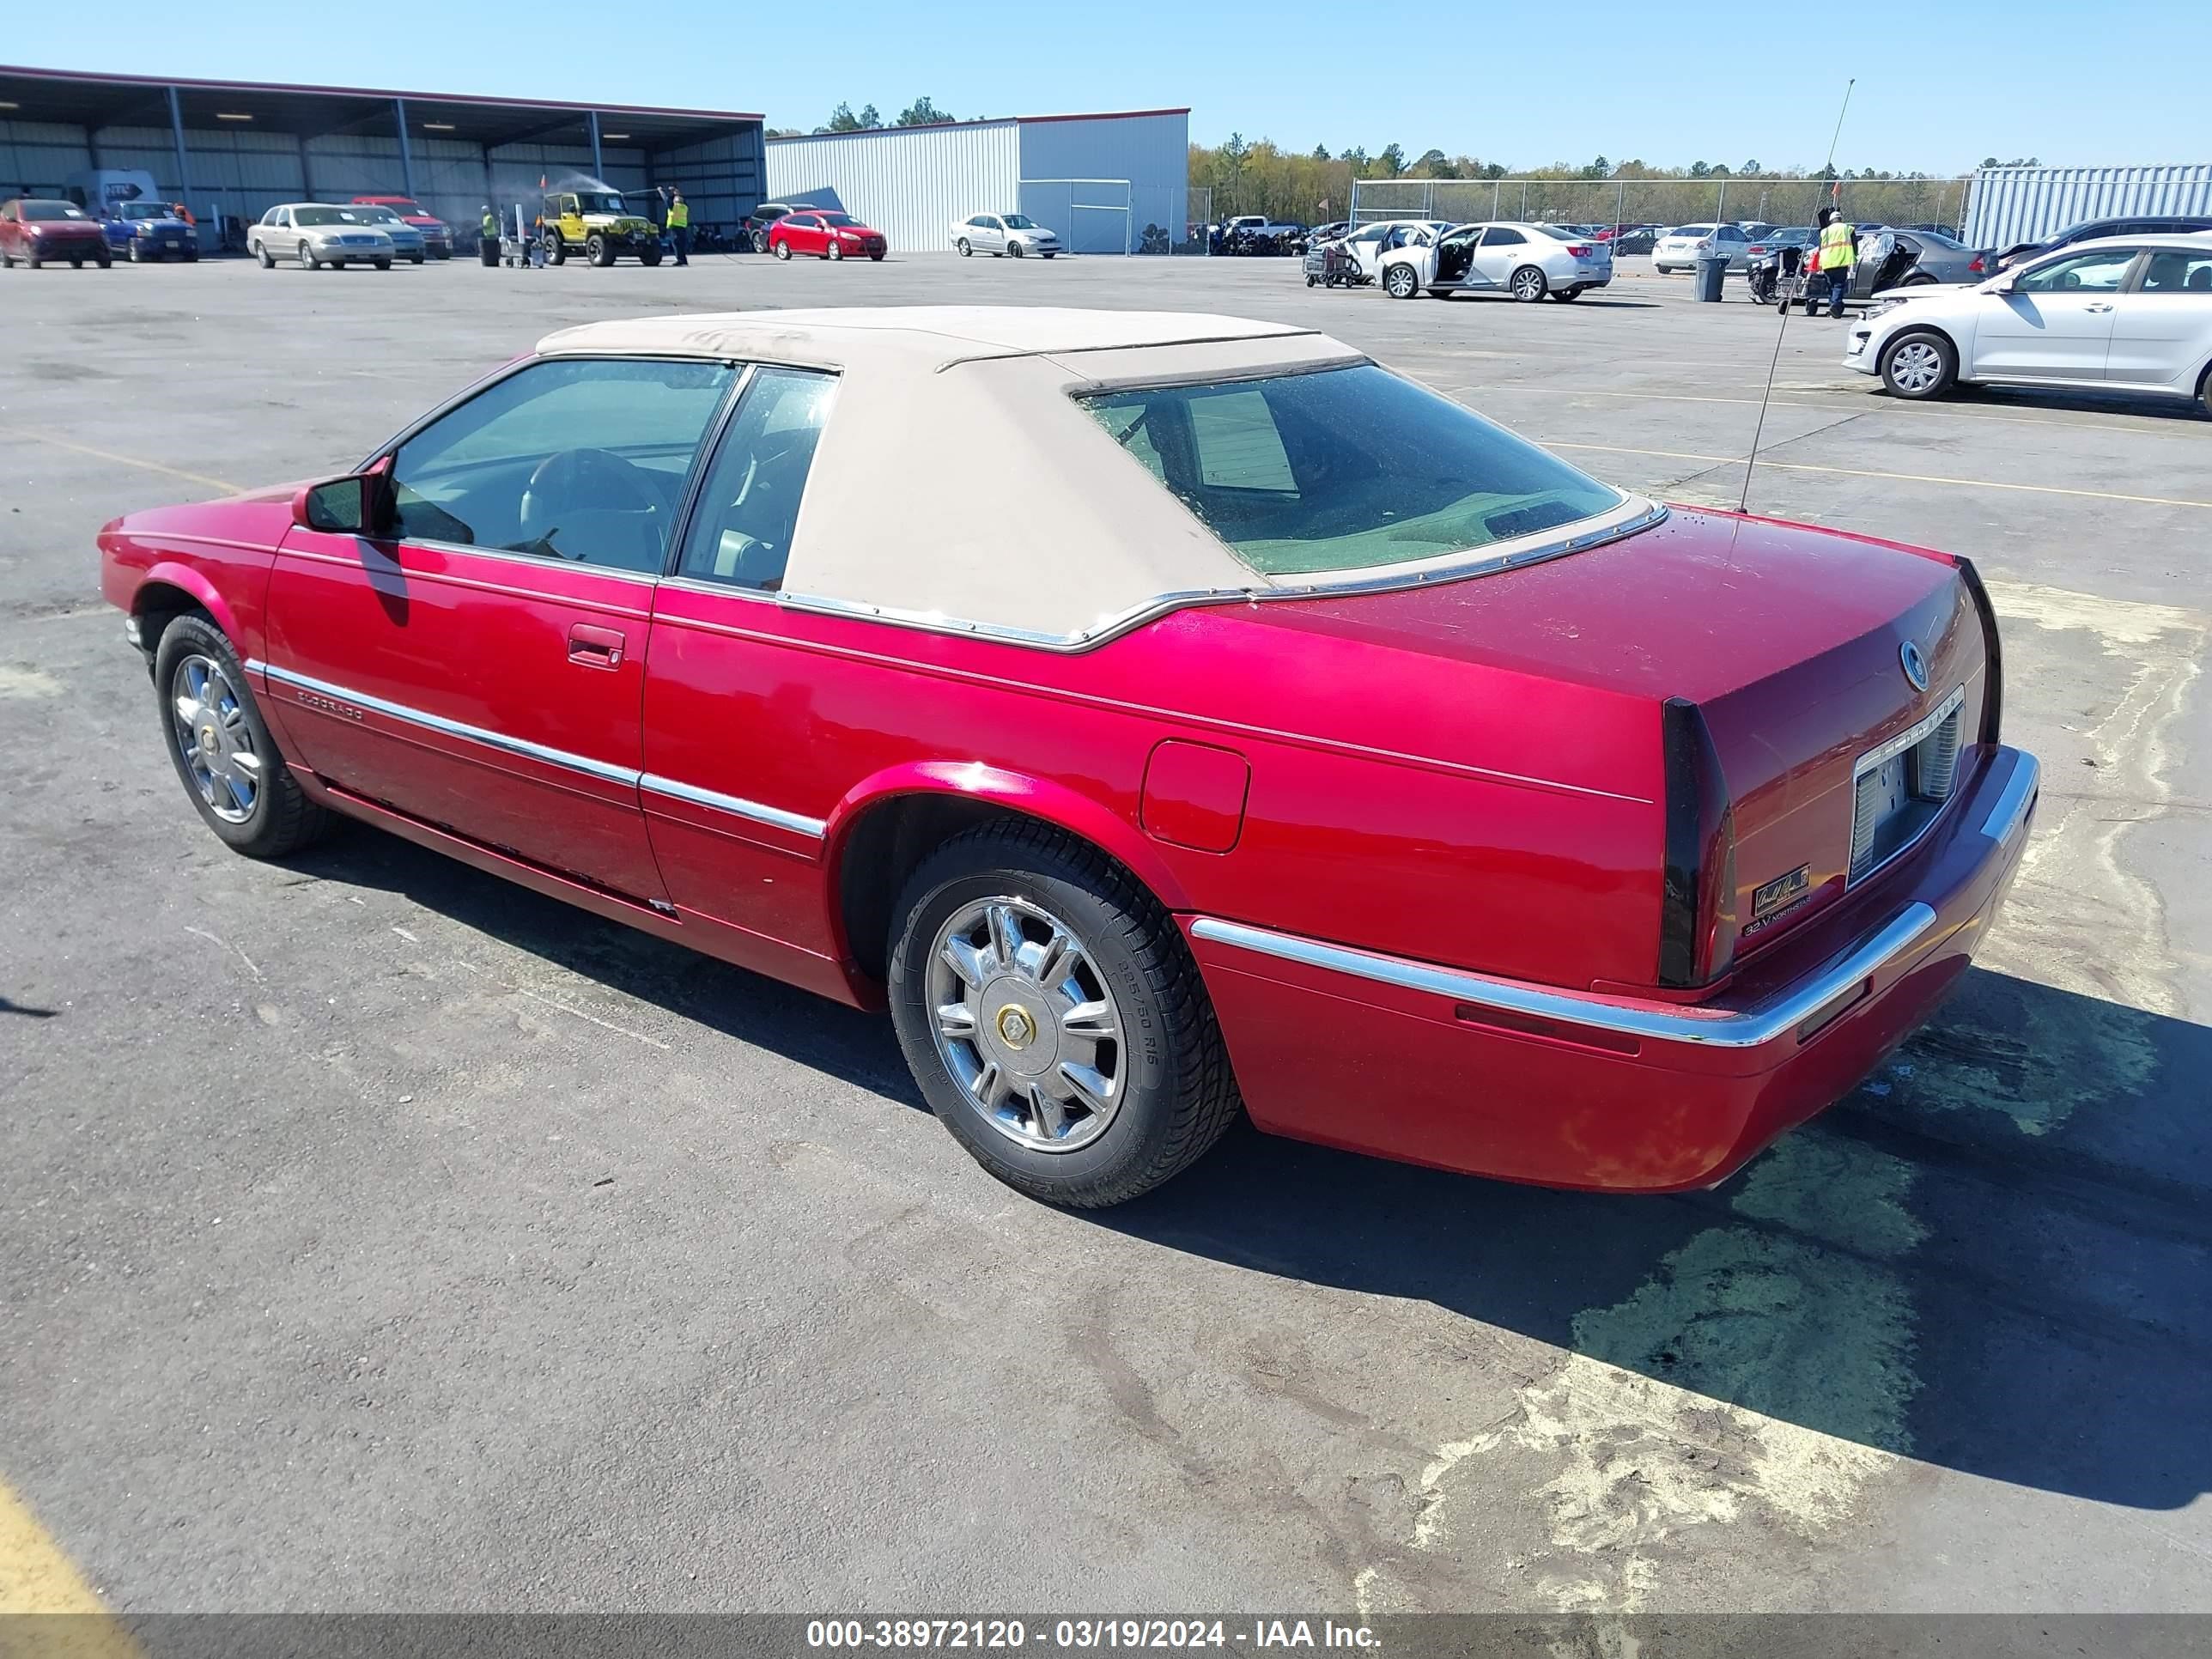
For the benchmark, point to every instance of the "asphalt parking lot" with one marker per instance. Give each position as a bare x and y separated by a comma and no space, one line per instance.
375,1235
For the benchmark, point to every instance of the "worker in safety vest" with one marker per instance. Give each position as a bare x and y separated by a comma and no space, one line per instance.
1839,254
488,237
679,226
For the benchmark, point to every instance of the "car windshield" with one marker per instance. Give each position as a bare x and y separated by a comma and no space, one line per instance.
378,215
404,209
845,219
50,210
144,211
1020,222
327,216
598,201
1344,469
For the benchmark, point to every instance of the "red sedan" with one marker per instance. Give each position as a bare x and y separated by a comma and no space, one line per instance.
824,234
38,233
1312,744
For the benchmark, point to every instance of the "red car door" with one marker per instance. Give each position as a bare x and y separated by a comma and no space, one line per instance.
736,810
805,233
481,669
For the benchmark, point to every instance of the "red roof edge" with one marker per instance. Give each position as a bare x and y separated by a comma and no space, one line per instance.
182,82
1106,115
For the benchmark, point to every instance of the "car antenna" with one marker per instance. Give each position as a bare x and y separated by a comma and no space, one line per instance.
1835,188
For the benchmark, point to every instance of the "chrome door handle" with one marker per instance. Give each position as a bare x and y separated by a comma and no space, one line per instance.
596,648
2097,307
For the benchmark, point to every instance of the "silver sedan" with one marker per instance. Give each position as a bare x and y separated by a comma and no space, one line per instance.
998,234
318,233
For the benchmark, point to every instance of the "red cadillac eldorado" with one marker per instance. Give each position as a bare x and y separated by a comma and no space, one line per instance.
1160,714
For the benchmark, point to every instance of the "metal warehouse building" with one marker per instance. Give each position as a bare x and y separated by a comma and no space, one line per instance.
2005,205
235,148
1106,184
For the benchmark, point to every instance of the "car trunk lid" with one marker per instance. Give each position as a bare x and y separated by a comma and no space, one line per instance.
1784,654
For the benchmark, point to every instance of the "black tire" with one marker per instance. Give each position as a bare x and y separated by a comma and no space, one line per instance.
77,264
1440,294
1930,364
875,258
649,256
556,250
597,252
2204,391
1527,284
1176,1094
386,264
136,257
1014,248
414,258
835,253
966,253
1563,294
759,241
283,819
1311,280
32,261
102,261
308,260
261,253
1401,282
1044,256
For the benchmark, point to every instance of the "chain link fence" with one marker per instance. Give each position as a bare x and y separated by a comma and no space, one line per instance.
1198,214
1665,202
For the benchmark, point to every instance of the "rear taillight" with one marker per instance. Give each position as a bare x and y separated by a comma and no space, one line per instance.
1580,250
1697,899
1974,265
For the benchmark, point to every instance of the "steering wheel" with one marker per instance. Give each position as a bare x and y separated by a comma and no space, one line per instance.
571,479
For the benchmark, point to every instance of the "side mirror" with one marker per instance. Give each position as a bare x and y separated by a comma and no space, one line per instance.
359,504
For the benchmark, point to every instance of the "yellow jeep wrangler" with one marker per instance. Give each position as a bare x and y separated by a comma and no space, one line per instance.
596,224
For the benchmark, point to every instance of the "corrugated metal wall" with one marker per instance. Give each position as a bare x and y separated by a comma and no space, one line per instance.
908,183
2008,205
1152,152
722,179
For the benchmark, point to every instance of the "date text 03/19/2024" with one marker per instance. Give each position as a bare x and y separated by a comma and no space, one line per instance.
1082,1635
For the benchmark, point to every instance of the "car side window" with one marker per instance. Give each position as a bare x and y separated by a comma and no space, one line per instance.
583,459
1499,236
2172,271
2103,271
741,530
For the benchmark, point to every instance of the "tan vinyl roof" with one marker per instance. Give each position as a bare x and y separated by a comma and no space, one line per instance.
958,484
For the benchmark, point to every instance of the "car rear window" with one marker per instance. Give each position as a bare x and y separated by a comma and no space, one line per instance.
1344,469
1691,230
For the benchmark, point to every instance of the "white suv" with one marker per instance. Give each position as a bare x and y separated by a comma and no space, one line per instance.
2130,314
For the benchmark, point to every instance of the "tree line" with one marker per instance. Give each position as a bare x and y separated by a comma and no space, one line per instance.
922,112
1260,177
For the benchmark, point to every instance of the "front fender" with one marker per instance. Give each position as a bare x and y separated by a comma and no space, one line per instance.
1033,796
193,582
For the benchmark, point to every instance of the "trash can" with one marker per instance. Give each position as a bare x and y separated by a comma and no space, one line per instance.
488,250
1710,271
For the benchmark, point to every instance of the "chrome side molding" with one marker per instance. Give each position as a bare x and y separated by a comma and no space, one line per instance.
1749,1027
752,810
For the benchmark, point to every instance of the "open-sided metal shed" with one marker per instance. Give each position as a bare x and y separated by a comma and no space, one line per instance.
233,148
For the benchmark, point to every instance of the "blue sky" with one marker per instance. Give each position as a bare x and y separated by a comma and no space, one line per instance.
1667,84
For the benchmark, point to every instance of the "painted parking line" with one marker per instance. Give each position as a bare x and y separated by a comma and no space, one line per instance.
1894,478
142,464
37,1577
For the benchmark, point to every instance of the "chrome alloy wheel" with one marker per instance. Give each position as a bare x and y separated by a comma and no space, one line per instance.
1026,1024
1916,366
214,738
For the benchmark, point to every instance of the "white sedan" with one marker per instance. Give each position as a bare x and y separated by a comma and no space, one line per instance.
2130,314
1681,248
997,233
1527,261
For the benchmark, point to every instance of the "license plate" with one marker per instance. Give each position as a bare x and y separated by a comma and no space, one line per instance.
1887,787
